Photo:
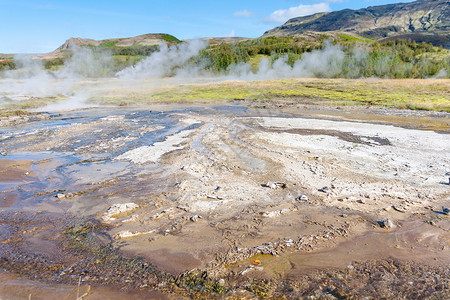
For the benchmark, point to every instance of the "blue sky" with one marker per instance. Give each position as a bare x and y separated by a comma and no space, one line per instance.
42,26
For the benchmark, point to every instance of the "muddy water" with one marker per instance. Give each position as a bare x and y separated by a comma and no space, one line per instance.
413,240
14,287
436,121
206,200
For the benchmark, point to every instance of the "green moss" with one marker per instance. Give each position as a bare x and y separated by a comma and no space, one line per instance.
200,284
259,288
9,113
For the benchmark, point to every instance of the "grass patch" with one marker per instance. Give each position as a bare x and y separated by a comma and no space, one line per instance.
408,94
109,44
31,103
12,113
349,38
255,60
7,64
123,61
170,38
54,63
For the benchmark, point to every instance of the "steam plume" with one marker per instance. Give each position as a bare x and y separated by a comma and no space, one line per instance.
167,62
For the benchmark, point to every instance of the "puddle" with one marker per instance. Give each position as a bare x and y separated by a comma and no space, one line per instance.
414,241
435,121
13,287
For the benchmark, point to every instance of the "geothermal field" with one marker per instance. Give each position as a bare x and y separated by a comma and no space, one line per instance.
258,186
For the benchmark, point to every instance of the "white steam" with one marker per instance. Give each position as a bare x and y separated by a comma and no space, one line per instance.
326,62
86,63
441,74
30,79
177,62
78,79
180,62
167,62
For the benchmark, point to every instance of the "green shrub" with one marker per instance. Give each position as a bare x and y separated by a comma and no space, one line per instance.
7,64
54,63
135,50
170,38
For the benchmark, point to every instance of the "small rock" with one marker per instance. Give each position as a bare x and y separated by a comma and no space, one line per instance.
276,213
3,153
60,196
350,267
445,210
274,185
325,189
387,224
117,209
431,222
125,234
289,242
303,198
221,282
399,208
195,218
344,216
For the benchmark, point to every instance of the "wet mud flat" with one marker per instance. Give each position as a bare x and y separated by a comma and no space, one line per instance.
234,201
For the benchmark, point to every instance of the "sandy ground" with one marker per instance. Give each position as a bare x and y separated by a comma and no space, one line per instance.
251,194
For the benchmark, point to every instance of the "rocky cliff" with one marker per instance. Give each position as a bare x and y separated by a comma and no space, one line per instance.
423,19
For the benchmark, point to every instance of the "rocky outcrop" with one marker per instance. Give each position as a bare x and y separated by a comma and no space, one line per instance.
140,40
77,42
422,17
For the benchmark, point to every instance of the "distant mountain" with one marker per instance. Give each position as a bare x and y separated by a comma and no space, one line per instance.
150,39
141,40
421,20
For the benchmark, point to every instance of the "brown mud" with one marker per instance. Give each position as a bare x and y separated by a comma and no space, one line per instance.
226,201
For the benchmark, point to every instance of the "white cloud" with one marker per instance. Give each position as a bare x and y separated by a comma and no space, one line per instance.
243,13
282,15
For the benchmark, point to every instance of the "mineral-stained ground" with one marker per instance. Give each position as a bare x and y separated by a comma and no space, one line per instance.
239,201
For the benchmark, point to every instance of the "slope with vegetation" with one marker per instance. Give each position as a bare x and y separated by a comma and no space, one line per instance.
391,59
364,57
124,51
421,20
